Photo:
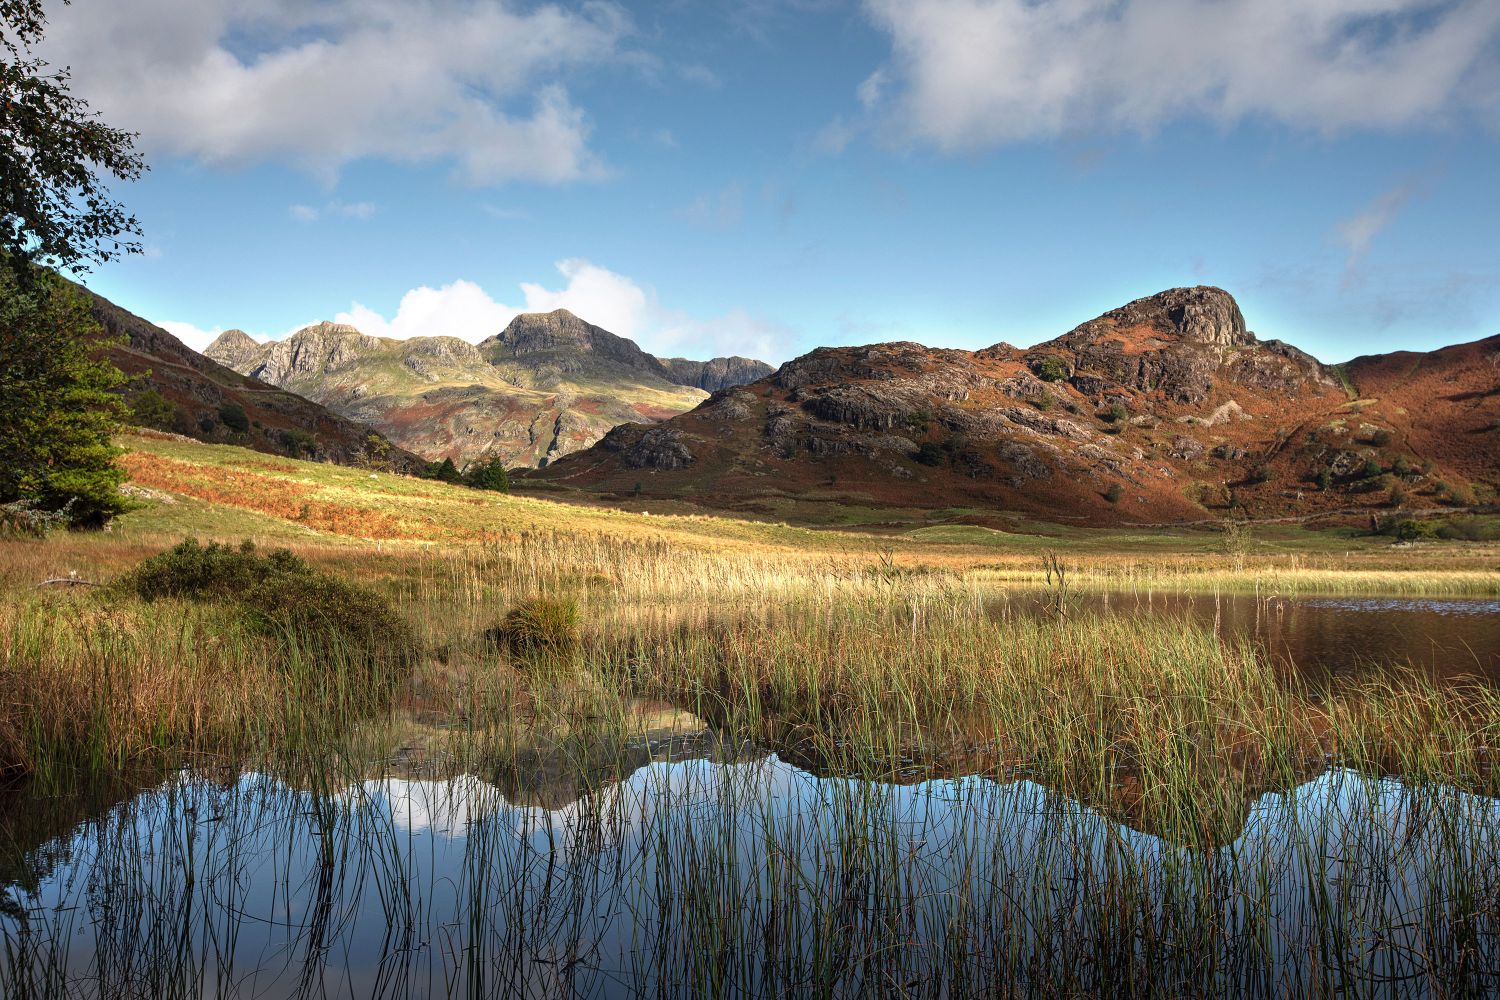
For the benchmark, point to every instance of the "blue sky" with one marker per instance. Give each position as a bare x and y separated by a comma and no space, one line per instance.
765,177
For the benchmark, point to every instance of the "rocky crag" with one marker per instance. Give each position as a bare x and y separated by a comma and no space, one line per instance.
211,402
1166,410
547,385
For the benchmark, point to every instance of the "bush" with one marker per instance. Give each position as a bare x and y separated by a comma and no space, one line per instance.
1050,369
1370,469
1259,474
1402,466
930,454
151,409
1398,496
489,475
284,598
232,415
1380,438
299,443
540,625
1412,530
23,520
1324,479
1114,493
1043,402
1115,414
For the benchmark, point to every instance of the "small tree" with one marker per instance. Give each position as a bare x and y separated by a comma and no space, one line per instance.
151,409
58,407
1371,469
445,471
930,454
1050,369
489,475
233,416
1114,493
1324,479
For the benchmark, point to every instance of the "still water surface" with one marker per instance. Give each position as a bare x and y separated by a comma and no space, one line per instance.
1324,636
679,867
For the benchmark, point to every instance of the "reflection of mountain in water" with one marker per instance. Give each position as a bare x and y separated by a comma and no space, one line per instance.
626,889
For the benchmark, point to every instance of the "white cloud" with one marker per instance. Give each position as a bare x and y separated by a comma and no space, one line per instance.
461,309
600,296
972,73
323,84
1357,232
195,337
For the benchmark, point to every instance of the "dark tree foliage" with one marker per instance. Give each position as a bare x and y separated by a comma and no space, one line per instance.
53,150
233,416
58,407
150,408
488,475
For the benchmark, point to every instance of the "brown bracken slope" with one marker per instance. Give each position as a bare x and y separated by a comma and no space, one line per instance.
1165,410
279,422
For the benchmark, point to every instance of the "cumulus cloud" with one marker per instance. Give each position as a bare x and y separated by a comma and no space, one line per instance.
601,296
195,337
971,73
461,309
324,84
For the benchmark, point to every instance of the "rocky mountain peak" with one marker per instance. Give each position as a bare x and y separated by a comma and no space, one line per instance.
1201,314
233,348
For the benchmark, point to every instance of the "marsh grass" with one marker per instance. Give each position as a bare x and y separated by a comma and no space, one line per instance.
1092,780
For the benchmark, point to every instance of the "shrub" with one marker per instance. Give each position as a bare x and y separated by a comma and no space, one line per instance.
1043,402
1050,369
1398,496
540,625
1380,438
23,519
151,409
1402,466
299,443
1324,479
1114,493
1412,530
1115,413
284,598
930,454
1259,474
232,415
1370,469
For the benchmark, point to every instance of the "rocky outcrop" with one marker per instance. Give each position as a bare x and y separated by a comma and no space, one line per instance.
1146,413
235,349
547,385
716,374
1201,315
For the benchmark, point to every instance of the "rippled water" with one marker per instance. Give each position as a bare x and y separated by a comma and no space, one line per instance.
751,877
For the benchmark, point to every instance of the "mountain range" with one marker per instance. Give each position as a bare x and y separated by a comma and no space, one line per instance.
207,401
1165,410
548,385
